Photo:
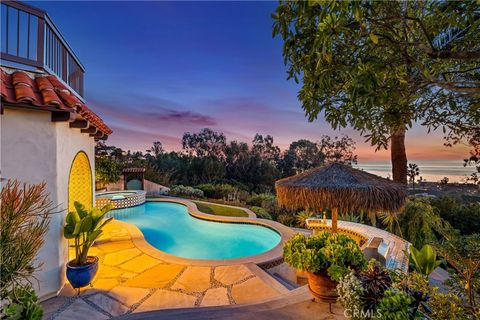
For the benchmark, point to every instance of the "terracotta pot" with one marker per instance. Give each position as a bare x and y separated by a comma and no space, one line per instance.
322,287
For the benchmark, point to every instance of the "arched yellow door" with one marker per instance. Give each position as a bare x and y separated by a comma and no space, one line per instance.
80,182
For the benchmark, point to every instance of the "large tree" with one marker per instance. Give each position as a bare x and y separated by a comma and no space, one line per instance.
206,143
381,66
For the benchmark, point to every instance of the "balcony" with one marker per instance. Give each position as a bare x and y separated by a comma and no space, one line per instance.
31,41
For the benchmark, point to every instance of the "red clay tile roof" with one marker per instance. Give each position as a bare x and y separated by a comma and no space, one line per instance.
46,91
133,170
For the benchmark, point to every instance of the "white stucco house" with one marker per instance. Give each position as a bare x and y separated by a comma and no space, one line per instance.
48,133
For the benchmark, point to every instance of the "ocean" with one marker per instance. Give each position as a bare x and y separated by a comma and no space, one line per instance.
430,170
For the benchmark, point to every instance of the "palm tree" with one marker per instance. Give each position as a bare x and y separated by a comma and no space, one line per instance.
391,222
412,172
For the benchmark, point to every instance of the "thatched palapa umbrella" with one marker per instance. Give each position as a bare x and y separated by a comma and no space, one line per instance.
341,188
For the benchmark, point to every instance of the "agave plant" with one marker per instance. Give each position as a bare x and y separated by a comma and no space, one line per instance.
425,260
84,227
302,217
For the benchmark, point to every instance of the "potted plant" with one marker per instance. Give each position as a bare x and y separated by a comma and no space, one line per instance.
326,258
84,227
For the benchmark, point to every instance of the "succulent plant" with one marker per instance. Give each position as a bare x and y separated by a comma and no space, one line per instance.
84,227
375,281
332,253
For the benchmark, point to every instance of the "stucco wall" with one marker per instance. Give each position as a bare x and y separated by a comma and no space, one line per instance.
150,187
33,150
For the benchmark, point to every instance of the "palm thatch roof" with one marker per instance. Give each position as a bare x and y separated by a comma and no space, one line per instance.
343,187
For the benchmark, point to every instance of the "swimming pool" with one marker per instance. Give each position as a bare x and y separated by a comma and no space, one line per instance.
170,228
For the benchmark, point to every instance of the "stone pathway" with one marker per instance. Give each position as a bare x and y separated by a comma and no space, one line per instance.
129,281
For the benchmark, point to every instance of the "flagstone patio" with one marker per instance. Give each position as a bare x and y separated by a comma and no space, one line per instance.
130,281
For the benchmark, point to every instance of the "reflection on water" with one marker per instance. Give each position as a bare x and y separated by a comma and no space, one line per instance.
169,227
125,213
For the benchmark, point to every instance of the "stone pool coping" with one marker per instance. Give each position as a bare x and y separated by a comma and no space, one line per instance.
271,257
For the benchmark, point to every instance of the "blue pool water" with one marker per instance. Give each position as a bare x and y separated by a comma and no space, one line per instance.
169,228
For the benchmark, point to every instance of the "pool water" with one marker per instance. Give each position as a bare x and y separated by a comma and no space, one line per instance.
170,228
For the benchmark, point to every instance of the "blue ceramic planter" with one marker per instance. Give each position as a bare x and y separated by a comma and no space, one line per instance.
81,276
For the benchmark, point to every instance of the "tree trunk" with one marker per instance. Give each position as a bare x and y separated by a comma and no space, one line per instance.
398,155
334,220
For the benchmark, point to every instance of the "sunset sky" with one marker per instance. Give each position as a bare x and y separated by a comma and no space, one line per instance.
155,70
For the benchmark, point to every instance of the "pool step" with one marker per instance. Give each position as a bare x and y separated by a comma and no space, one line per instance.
286,283
267,278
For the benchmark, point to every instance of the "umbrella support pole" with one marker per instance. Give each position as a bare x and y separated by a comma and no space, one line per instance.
334,220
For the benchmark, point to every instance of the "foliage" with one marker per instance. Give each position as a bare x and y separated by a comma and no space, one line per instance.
182,191
379,66
350,290
425,260
220,210
259,199
395,305
261,213
418,222
332,254
21,304
206,143
462,216
207,158
352,217
84,227
25,212
287,219
302,217
106,170
412,172
391,221
474,160
223,191
414,286
375,280
462,252
25,217
446,306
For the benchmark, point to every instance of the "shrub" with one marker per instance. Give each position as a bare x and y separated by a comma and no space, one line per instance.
25,212
419,222
257,200
287,220
333,254
223,191
261,213
395,305
23,304
464,217
182,191
350,290
375,280
106,170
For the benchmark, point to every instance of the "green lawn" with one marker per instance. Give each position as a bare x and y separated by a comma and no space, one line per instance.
220,210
